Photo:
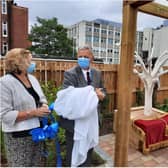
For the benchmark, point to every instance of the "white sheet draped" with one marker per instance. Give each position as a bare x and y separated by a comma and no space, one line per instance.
80,104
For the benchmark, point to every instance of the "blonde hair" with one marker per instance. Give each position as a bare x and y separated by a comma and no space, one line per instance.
16,60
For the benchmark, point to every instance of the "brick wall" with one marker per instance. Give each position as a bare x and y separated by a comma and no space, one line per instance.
19,27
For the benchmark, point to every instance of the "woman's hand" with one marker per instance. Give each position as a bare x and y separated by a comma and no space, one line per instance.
42,111
38,112
45,105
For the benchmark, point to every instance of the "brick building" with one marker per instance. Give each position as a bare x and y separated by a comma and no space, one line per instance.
13,26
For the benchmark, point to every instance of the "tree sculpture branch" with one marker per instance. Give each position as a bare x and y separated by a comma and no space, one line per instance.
160,61
150,76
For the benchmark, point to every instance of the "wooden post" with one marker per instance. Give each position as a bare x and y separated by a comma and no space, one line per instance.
130,8
124,84
155,9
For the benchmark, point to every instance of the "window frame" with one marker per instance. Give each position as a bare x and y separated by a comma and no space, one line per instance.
4,7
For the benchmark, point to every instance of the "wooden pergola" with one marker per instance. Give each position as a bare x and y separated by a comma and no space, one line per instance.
130,10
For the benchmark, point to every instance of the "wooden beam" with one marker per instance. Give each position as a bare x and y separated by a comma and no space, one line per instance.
124,84
137,3
155,9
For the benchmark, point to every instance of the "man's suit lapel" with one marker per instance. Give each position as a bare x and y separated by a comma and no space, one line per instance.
81,77
93,77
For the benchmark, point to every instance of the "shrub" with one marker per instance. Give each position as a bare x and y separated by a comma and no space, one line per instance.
50,90
139,94
164,106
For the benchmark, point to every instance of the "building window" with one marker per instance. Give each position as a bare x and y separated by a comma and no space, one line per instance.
103,50
73,31
103,40
4,7
4,29
110,50
96,50
4,48
96,39
110,32
116,52
117,42
88,38
115,61
88,29
96,30
103,31
117,34
110,41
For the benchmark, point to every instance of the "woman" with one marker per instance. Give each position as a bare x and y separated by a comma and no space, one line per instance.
22,105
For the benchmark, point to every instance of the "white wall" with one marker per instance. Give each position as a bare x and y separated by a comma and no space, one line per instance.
160,41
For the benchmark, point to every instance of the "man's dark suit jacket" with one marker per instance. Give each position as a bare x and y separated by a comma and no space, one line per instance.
74,77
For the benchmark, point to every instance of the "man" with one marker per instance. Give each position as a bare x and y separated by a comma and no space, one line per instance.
80,76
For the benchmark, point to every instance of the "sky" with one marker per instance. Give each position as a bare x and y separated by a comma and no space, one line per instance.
69,12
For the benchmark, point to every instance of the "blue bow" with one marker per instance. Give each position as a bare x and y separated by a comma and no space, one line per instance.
41,134
48,131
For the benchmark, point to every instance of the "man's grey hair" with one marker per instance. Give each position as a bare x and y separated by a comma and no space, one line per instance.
85,47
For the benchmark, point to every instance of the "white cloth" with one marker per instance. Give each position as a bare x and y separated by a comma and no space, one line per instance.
80,104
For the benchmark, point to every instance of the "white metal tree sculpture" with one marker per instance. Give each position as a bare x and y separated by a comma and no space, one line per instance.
150,77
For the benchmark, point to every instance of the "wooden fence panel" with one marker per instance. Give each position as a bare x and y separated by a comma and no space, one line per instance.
53,70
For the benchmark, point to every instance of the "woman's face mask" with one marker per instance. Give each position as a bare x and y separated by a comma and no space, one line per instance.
31,67
84,63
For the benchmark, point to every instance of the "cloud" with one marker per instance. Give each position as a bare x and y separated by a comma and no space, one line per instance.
70,12
148,21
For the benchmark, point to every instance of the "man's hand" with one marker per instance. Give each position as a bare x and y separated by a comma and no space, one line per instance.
99,93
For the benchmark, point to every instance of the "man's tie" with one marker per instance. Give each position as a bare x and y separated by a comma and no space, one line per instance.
88,78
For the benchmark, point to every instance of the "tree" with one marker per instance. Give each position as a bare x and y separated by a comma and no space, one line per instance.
150,77
49,37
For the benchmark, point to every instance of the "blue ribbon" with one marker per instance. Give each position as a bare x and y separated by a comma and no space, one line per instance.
48,131
59,160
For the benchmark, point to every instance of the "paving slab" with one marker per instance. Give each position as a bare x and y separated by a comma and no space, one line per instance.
157,158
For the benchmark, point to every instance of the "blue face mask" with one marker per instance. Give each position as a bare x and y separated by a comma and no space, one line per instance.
84,62
31,67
